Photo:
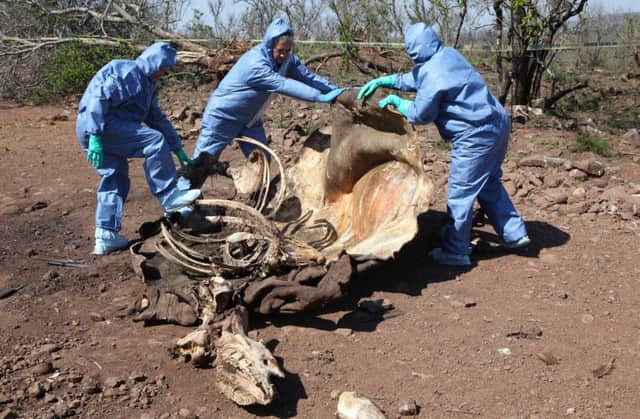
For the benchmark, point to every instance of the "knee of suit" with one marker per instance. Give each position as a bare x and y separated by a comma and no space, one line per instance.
156,144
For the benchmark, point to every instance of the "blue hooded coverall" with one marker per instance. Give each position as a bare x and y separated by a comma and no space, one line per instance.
452,94
235,107
118,99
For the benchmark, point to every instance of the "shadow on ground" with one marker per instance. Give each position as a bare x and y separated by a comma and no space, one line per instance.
411,271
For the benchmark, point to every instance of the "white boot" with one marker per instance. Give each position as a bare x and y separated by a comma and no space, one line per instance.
108,241
175,199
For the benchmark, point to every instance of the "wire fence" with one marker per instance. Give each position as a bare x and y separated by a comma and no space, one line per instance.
395,45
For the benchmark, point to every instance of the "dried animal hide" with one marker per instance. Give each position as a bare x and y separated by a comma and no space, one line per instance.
365,178
301,290
157,306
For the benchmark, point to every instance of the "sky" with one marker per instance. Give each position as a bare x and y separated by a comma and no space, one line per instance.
617,5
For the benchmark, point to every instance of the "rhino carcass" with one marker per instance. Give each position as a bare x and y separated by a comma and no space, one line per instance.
359,186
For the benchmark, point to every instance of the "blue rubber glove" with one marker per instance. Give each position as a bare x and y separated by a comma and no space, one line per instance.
402,105
371,86
95,153
331,96
182,158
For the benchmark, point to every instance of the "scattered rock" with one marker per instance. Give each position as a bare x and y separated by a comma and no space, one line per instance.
110,393
603,370
578,194
74,378
578,174
615,194
90,385
586,318
185,413
553,180
8,414
557,196
531,332
37,206
571,411
408,408
96,317
577,208
342,331
36,390
137,377
42,368
50,398
504,351
62,410
325,356
632,136
590,167
353,406
376,306
469,302
334,394
548,358
113,382
49,275
180,114
602,182
541,161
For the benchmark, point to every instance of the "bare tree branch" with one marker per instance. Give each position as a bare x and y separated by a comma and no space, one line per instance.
322,57
548,102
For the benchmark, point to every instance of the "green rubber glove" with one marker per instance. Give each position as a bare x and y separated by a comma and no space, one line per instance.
182,158
95,154
402,105
371,86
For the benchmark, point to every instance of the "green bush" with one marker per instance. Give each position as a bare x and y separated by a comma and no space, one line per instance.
589,142
72,66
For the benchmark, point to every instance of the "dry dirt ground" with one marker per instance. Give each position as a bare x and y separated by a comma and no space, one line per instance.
550,332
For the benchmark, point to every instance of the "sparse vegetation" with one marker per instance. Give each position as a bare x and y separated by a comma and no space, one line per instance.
442,145
590,142
72,66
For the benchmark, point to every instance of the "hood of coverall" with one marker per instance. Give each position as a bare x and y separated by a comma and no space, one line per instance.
157,56
421,42
276,29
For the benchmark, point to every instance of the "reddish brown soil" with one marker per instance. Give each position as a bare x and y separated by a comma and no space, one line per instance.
443,346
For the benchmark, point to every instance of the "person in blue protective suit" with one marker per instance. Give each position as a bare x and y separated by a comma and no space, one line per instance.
235,107
117,101
451,93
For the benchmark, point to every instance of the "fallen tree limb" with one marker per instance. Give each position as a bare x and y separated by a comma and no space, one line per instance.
548,102
323,57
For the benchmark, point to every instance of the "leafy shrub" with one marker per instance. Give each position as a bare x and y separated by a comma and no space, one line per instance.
589,142
72,66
